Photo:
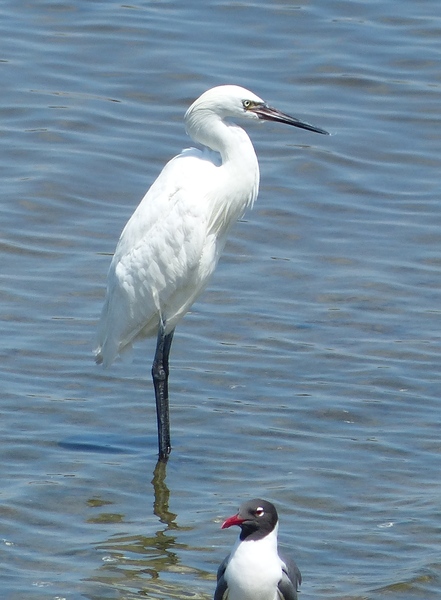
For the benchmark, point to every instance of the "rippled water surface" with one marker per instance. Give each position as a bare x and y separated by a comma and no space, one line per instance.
309,371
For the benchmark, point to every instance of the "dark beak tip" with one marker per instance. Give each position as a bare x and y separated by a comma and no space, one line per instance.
267,113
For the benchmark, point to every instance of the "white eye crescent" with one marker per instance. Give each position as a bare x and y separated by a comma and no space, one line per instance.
259,512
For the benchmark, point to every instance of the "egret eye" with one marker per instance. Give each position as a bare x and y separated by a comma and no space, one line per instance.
259,512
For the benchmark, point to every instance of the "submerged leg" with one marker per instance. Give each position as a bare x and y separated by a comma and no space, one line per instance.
160,381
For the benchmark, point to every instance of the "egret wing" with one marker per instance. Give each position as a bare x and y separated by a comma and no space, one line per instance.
163,259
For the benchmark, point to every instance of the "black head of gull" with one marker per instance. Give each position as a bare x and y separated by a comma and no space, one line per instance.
254,570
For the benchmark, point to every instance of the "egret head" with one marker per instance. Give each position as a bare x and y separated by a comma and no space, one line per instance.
226,101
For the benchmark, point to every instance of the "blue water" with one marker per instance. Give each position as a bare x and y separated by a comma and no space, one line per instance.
307,374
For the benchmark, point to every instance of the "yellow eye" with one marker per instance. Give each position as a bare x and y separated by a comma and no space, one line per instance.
247,104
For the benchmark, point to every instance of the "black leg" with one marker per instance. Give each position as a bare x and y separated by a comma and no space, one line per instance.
160,381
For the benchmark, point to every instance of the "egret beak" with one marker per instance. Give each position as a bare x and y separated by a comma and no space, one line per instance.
267,113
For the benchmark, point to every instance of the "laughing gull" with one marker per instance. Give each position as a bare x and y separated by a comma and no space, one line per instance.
254,570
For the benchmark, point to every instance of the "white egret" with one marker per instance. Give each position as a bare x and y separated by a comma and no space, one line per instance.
170,246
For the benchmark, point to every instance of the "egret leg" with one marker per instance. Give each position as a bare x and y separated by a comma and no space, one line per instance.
160,372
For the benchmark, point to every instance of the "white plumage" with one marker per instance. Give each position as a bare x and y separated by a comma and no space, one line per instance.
254,569
170,246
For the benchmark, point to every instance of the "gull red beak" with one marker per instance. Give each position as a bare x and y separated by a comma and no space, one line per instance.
234,520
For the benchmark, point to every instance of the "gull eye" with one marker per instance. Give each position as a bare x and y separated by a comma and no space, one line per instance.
259,512
247,104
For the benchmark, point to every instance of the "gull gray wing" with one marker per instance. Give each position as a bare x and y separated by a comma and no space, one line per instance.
221,591
291,580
